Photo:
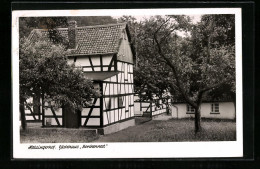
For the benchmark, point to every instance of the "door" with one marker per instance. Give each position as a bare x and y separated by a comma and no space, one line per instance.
71,117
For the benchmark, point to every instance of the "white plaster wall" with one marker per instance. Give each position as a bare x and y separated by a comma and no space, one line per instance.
91,121
95,60
181,113
174,111
137,109
52,121
226,109
84,60
49,112
106,59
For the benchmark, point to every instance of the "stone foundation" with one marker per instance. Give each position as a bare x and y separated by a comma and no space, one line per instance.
103,131
116,127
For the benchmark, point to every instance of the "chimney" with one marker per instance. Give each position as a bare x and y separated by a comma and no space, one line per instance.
72,34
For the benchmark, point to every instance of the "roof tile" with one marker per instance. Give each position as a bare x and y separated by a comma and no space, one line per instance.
100,39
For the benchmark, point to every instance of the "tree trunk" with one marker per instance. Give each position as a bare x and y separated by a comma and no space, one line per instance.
22,111
36,104
233,97
197,120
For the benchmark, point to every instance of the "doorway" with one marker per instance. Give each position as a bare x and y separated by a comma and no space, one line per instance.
71,117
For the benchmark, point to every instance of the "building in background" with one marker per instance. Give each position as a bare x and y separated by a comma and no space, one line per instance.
211,109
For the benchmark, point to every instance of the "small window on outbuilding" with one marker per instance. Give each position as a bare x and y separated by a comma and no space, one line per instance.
215,108
190,109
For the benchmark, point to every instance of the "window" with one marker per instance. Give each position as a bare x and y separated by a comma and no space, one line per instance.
109,104
120,102
215,108
190,109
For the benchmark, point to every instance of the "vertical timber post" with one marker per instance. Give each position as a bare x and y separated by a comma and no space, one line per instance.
101,104
101,63
115,62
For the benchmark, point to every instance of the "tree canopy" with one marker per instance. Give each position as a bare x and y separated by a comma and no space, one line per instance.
191,66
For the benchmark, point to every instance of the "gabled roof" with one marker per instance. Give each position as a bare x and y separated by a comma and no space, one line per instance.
100,39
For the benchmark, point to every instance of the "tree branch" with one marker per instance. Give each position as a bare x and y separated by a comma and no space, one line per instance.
162,24
212,86
165,36
169,62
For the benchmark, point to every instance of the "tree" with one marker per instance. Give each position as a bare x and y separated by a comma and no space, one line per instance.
27,24
93,20
197,63
224,35
46,74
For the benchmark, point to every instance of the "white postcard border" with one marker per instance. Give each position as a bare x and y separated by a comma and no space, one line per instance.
129,150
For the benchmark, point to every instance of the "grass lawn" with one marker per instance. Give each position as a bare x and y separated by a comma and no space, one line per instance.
57,136
172,130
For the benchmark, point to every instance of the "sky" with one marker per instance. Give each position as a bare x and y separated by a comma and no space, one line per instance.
194,18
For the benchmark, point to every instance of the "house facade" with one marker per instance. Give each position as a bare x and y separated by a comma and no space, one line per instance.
209,110
104,54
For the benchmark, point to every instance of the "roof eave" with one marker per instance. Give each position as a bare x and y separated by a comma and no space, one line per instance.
91,54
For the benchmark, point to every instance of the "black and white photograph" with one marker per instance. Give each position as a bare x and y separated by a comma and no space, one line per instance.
127,83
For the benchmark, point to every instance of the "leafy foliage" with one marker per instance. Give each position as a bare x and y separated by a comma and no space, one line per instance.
93,20
47,73
191,66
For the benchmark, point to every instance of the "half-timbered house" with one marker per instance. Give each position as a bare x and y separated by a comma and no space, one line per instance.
105,56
